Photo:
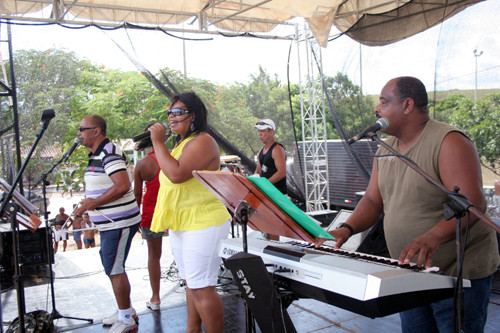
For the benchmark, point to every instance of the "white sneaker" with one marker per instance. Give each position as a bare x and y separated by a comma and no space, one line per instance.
108,321
121,327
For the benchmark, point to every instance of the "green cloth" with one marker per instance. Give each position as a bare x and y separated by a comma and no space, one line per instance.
289,208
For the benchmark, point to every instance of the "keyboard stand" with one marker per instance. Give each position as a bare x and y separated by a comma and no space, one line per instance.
256,287
262,300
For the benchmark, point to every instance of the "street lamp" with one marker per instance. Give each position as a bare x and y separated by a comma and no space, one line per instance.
476,55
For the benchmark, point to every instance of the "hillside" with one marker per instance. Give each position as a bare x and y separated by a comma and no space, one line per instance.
440,95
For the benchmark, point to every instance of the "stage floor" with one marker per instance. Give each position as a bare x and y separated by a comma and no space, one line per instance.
82,290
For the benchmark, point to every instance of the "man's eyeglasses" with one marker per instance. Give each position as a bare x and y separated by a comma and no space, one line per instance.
177,112
81,129
261,123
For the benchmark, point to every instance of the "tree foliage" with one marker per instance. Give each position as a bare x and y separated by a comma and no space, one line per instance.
129,102
44,80
446,107
241,105
481,121
353,110
126,100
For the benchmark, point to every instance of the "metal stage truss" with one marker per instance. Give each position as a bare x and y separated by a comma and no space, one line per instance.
312,107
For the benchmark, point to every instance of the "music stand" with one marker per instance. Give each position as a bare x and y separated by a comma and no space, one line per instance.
31,221
256,202
274,212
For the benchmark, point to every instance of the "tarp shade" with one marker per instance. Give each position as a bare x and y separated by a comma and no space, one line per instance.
370,22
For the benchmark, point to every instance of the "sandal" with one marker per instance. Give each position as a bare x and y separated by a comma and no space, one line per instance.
152,306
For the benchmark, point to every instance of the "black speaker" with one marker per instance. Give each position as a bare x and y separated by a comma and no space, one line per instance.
257,289
33,253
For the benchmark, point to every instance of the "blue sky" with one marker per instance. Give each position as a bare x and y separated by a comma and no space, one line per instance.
442,57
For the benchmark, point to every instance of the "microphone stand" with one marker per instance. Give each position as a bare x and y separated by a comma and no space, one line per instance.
457,207
18,278
48,237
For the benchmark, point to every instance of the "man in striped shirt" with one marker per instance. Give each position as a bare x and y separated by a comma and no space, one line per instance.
112,207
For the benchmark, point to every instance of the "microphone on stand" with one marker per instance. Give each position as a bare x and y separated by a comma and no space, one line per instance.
147,134
47,115
381,124
76,142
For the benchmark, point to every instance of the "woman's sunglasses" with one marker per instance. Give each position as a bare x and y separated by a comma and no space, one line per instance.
177,112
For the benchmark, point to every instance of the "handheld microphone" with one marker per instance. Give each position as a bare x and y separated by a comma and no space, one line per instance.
381,124
147,134
72,149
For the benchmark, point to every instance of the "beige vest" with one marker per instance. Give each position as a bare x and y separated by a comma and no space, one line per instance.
412,206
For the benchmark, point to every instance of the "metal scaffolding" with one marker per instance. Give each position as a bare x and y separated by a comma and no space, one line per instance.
314,147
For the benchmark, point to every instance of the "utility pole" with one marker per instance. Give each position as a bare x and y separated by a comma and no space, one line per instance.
476,55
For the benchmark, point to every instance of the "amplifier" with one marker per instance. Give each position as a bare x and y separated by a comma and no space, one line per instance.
32,248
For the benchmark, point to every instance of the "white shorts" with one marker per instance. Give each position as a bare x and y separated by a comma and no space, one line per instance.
196,254
61,235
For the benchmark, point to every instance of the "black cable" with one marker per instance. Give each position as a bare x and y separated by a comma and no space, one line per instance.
121,26
273,298
172,273
461,263
272,305
131,43
363,171
460,269
223,286
291,109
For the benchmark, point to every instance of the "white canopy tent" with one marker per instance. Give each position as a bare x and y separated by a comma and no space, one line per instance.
370,22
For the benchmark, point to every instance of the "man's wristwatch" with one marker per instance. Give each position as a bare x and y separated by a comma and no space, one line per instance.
345,225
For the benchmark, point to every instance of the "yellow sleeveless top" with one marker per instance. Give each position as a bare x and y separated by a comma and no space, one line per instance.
186,206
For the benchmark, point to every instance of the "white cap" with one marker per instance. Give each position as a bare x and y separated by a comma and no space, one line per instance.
265,123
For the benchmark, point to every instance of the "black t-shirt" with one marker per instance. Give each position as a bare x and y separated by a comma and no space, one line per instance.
268,167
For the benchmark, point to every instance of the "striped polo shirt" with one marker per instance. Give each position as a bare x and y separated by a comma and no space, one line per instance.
123,212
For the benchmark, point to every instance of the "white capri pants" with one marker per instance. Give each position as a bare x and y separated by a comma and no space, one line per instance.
196,254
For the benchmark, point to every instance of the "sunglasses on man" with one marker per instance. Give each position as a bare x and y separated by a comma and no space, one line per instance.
81,129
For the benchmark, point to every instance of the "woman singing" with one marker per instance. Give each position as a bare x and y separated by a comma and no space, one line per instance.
197,220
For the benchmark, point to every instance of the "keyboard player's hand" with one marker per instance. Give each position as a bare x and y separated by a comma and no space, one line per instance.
424,247
341,236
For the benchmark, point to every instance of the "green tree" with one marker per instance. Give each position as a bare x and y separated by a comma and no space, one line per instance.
446,107
353,110
44,80
266,97
126,100
481,121
233,118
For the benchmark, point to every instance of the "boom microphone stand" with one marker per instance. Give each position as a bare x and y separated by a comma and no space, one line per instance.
47,116
43,180
457,207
